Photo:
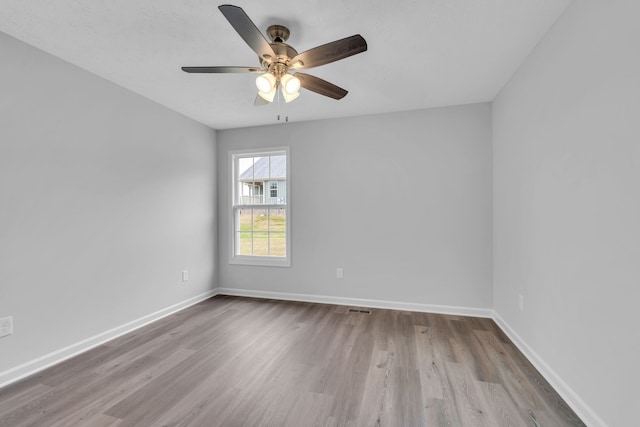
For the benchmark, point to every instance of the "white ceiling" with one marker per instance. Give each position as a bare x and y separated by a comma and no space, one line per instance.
422,53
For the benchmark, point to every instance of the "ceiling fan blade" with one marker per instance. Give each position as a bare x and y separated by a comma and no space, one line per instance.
330,52
260,101
221,70
323,87
247,30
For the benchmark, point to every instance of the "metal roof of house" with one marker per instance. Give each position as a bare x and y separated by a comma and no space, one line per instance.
260,169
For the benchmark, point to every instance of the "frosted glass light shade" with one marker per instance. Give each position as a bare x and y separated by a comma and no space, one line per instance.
288,97
290,84
265,83
269,95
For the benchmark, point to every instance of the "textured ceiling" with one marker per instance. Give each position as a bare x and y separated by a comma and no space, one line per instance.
422,53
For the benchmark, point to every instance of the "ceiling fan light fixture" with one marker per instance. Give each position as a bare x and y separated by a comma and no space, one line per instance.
269,96
288,97
290,84
266,83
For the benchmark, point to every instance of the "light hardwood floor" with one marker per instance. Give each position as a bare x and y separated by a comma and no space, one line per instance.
232,361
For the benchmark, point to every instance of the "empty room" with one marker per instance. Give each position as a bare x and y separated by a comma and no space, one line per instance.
319,213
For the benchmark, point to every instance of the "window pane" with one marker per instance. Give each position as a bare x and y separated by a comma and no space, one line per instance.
277,220
245,180
278,244
245,169
260,220
244,243
261,243
244,220
278,167
251,193
244,192
277,229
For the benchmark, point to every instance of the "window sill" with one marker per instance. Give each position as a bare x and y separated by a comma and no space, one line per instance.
260,261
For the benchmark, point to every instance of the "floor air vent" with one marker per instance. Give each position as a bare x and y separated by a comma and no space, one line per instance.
355,310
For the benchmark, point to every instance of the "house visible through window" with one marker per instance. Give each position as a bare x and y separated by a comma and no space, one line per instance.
260,208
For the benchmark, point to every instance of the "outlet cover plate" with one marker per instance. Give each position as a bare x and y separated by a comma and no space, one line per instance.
6,326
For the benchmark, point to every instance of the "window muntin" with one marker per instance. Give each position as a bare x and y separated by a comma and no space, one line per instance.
260,212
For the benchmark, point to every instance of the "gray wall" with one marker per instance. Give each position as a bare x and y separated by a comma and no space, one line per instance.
567,203
401,201
105,197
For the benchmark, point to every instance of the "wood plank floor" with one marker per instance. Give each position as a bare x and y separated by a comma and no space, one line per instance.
232,361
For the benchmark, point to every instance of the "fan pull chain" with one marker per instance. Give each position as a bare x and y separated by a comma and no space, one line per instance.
278,96
286,113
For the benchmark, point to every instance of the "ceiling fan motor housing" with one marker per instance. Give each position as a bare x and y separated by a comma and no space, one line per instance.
278,33
282,62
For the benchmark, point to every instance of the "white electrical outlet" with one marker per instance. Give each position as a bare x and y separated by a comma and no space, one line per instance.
6,326
521,302
185,275
339,273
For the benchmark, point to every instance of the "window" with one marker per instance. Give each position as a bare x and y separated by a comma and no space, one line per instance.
260,220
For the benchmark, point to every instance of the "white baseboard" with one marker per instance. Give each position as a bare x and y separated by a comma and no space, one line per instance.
584,411
14,374
360,302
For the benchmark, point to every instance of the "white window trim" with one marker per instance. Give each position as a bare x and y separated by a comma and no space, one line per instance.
252,259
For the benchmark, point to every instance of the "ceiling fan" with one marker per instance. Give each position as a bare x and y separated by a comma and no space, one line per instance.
279,62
